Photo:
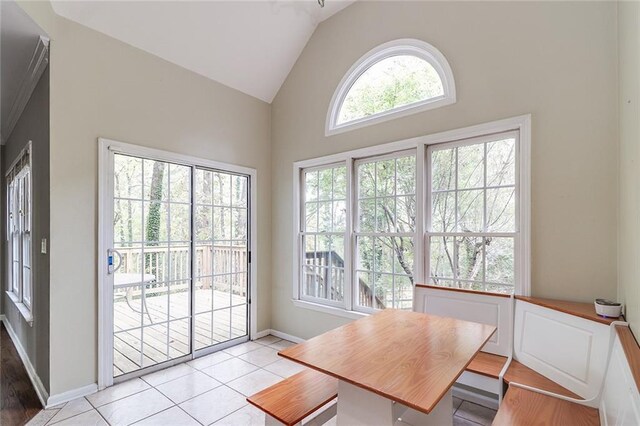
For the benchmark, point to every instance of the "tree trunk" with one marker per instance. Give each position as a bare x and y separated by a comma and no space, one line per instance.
153,217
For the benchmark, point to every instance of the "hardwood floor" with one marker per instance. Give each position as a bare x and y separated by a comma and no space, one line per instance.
18,400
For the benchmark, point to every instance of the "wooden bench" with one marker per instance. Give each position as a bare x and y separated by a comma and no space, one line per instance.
521,407
491,365
296,398
617,403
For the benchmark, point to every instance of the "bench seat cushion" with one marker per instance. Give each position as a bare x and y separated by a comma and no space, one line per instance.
295,398
521,407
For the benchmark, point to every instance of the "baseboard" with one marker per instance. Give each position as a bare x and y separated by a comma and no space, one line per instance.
42,393
261,334
72,394
286,336
475,397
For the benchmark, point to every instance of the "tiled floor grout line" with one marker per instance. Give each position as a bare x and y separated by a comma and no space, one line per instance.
100,414
233,412
185,411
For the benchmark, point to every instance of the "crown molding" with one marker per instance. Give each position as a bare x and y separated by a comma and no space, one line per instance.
38,64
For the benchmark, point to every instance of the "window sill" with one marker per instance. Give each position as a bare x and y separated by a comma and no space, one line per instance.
339,312
22,308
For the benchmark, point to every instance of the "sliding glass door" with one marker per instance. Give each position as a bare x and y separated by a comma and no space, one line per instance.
179,260
221,229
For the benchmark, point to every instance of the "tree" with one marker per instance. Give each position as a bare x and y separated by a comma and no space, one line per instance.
466,254
391,83
153,216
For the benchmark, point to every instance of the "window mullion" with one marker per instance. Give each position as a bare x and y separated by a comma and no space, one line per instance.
421,258
454,267
349,240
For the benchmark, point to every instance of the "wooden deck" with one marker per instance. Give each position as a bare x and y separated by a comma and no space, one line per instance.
145,337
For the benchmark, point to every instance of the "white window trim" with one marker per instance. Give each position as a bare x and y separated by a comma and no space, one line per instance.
26,310
412,47
521,124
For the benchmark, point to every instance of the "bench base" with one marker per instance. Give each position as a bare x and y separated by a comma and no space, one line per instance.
359,407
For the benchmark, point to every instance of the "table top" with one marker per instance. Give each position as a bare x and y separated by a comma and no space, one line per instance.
408,357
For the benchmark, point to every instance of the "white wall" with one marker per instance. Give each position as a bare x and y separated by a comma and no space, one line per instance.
101,87
629,200
554,60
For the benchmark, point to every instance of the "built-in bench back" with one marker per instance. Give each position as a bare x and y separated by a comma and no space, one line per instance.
567,349
620,402
484,308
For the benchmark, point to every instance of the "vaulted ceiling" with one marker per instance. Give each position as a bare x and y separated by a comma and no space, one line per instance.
248,45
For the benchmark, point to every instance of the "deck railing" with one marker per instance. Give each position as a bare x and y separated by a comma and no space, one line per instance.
324,278
174,264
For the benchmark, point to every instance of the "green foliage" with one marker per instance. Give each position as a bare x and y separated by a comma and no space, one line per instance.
152,206
391,83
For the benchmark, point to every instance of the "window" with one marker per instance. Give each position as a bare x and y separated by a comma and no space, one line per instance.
473,218
450,210
397,78
385,231
19,204
323,234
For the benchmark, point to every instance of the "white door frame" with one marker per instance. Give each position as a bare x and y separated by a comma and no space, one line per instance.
105,291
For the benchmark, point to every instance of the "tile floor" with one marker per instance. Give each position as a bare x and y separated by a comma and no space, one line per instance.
211,390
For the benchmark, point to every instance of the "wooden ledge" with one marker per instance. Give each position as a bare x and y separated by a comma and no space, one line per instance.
462,290
487,364
295,398
631,351
582,310
520,373
521,407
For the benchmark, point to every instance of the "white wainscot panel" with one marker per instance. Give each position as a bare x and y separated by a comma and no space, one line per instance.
569,350
620,403
563,346
480,308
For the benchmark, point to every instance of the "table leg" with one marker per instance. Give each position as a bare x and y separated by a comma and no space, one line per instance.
359,407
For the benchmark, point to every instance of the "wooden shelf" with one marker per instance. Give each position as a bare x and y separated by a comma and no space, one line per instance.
521,407
462,290
582,310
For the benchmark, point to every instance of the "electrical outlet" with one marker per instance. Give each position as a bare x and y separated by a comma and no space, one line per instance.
43,246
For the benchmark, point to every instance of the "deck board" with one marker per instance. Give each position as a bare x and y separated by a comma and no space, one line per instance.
127,323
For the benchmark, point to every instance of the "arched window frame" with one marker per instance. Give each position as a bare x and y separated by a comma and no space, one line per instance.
412,47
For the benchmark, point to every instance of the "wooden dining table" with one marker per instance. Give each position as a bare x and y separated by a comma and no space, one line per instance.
394,367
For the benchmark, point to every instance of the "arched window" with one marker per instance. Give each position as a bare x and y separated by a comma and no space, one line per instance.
397,78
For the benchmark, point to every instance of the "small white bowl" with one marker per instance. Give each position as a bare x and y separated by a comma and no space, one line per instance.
609,311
